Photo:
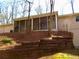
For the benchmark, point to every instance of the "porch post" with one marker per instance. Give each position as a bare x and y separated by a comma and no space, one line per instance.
19,26
56,22
32,24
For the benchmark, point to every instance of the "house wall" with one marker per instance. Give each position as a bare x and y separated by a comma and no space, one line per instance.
6,28
69,24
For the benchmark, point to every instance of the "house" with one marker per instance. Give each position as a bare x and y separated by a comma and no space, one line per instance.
36,22
70,22
67,22
6,28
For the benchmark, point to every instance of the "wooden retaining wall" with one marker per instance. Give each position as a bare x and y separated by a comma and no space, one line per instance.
35,50
35,35
34,46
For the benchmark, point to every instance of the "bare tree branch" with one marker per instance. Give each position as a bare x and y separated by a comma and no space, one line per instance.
72,6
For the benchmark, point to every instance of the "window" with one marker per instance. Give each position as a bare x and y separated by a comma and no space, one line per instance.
77,19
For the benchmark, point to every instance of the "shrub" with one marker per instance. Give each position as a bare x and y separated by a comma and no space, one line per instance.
6,40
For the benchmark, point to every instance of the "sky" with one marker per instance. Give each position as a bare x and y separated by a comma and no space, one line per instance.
62,6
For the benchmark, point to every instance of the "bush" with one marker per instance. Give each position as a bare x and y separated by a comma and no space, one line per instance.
7,40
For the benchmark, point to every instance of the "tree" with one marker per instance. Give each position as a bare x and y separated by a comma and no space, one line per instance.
50,18
46,3
2,15
8,10
13,9
24,7
38,9
52,3
72,5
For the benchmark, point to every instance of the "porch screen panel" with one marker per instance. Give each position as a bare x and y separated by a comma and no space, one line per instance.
28,24
43,23
36,24
22,25
16,26
53,21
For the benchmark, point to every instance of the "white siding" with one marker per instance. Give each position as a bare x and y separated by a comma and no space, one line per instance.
70,24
